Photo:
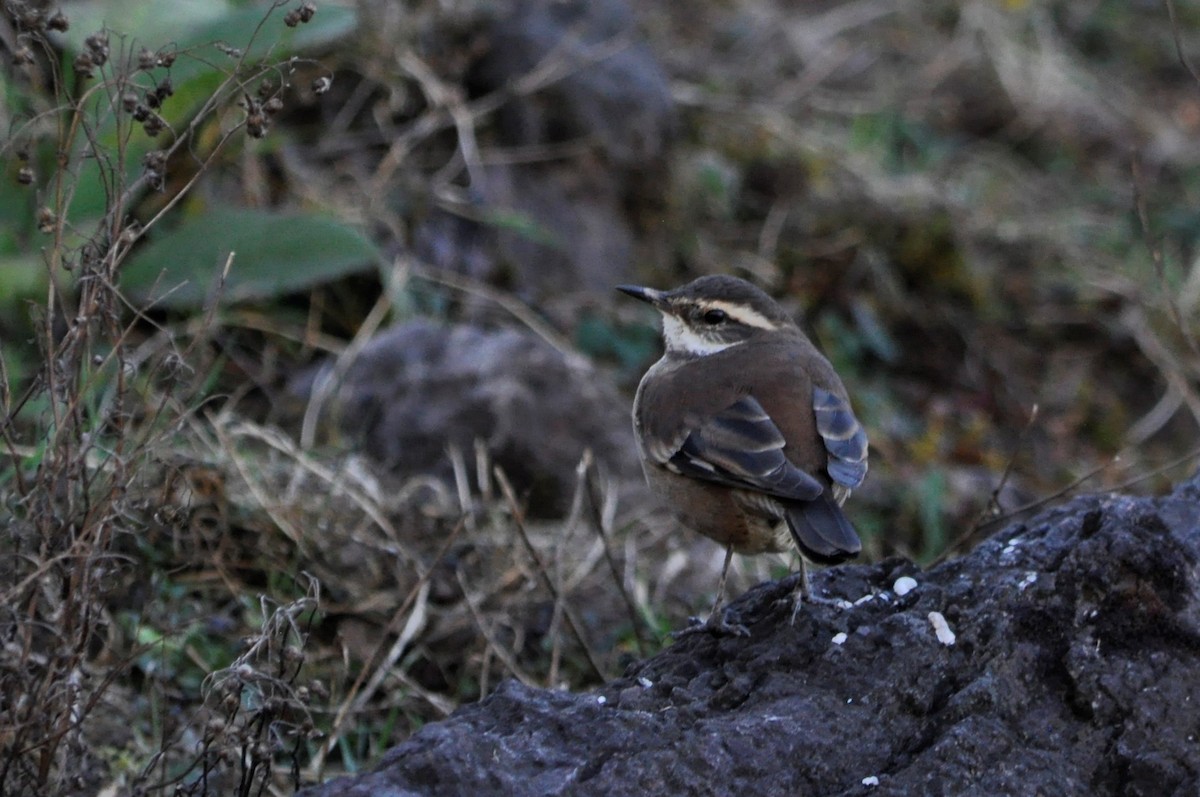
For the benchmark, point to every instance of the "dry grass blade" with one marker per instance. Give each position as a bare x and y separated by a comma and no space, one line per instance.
1156,255
1174,369
1190,456
589,479
230,432
380,665
484,628
518,309
518,517
329,381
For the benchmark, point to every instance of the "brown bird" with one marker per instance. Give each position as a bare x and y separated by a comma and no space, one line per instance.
745,430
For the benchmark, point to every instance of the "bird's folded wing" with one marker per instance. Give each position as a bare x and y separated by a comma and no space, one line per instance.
741,447
845,440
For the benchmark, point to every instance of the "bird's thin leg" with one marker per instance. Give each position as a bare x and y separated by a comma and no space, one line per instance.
716,623
721,583
802,594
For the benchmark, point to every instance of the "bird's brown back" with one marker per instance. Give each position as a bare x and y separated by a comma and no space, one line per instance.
781,376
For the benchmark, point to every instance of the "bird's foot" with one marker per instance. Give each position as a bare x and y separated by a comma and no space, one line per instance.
819,600
716,624
798,600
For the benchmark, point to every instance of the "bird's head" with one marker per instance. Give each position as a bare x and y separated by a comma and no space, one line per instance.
712,314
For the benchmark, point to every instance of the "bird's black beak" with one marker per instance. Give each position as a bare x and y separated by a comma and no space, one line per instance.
647,295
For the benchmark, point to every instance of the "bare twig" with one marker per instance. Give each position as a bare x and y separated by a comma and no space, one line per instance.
1041,502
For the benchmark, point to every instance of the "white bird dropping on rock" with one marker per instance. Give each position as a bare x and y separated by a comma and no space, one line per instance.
904,585
839,638
871,780
941,628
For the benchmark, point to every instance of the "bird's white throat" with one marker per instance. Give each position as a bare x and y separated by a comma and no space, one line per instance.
681,338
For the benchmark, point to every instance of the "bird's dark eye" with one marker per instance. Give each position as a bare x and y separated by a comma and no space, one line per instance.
715,317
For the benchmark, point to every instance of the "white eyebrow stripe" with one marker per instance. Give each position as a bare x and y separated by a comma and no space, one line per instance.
742,313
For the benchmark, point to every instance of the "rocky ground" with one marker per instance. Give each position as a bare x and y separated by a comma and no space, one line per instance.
329,515
1069,664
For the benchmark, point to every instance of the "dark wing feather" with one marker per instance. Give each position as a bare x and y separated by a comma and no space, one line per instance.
741,447
822,532
845,440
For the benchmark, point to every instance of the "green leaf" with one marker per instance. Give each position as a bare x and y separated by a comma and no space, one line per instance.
274,254
23,279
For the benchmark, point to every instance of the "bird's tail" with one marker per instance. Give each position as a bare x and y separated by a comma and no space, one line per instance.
822,531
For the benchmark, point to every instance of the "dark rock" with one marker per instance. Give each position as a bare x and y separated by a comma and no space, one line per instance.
422,387
1075,670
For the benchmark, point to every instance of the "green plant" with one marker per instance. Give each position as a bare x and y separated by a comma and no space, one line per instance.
105,139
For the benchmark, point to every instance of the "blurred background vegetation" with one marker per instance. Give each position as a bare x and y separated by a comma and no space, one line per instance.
244,550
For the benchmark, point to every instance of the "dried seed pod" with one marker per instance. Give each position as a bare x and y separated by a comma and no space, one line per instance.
25,175
146,60
155,161
97,45
46,220
256,125
307,10
153,125
273,106
59,22
291,18
30,18
85,65
129,101
22,56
